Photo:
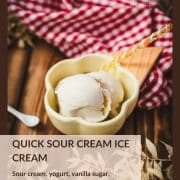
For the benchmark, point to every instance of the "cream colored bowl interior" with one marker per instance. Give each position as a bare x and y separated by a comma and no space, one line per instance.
75,125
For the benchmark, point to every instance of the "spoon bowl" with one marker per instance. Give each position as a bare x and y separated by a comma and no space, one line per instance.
28,120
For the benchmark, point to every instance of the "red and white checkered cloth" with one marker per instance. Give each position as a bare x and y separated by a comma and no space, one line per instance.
79,27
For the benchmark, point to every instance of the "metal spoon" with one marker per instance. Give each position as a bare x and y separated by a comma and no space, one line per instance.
28,120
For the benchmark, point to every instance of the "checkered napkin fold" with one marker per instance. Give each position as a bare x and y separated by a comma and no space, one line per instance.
79,27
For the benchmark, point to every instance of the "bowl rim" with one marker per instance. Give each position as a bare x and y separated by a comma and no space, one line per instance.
79,120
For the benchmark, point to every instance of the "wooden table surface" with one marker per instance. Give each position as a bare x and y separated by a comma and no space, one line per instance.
26,88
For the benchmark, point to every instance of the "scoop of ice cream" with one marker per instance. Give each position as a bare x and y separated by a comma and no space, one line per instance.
82,96
110,83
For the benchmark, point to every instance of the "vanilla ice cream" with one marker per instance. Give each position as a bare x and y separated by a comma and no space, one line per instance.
82,96
90,96
110,83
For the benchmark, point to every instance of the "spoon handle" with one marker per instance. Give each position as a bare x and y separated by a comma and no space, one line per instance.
14,112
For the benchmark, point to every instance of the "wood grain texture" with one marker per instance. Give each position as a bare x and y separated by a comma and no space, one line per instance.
142,61
154,124
17,66
32,100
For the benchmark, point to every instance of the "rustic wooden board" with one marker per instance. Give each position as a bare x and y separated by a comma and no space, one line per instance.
26,92
141,61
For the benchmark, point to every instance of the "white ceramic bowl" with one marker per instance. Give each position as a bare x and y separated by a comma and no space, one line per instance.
84,64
